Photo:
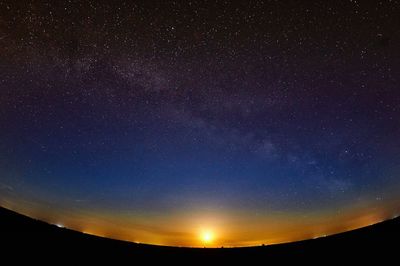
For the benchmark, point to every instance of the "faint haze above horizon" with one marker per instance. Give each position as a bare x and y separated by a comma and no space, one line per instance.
201,123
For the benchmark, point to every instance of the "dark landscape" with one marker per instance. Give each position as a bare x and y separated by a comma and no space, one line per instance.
34,240
206,132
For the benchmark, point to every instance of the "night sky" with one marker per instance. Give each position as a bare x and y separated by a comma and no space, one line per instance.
201,123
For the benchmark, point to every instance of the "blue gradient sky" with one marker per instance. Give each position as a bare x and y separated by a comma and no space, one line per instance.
154,121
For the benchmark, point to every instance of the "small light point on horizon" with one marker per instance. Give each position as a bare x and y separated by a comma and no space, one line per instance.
207,237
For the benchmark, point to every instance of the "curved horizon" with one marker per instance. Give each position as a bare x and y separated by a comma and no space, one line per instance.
369,222
203,123
109,226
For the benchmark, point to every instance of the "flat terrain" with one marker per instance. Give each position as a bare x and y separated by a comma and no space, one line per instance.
23,238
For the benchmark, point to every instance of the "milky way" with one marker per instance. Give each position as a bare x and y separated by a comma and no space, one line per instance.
261,121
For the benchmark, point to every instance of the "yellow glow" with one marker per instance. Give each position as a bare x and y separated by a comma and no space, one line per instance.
204,228
207,237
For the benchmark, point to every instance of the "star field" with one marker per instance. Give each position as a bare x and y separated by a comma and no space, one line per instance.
168,118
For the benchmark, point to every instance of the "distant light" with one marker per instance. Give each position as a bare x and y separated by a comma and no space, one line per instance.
59,225
207,237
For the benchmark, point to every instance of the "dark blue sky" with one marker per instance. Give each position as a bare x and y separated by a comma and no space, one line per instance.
167,108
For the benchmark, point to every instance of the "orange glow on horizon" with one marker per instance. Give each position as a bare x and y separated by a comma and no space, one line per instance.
210,228
207,237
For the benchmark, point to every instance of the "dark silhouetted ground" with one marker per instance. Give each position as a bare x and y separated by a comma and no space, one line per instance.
26,239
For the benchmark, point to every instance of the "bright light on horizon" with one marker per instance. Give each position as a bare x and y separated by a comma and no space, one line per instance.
207,237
